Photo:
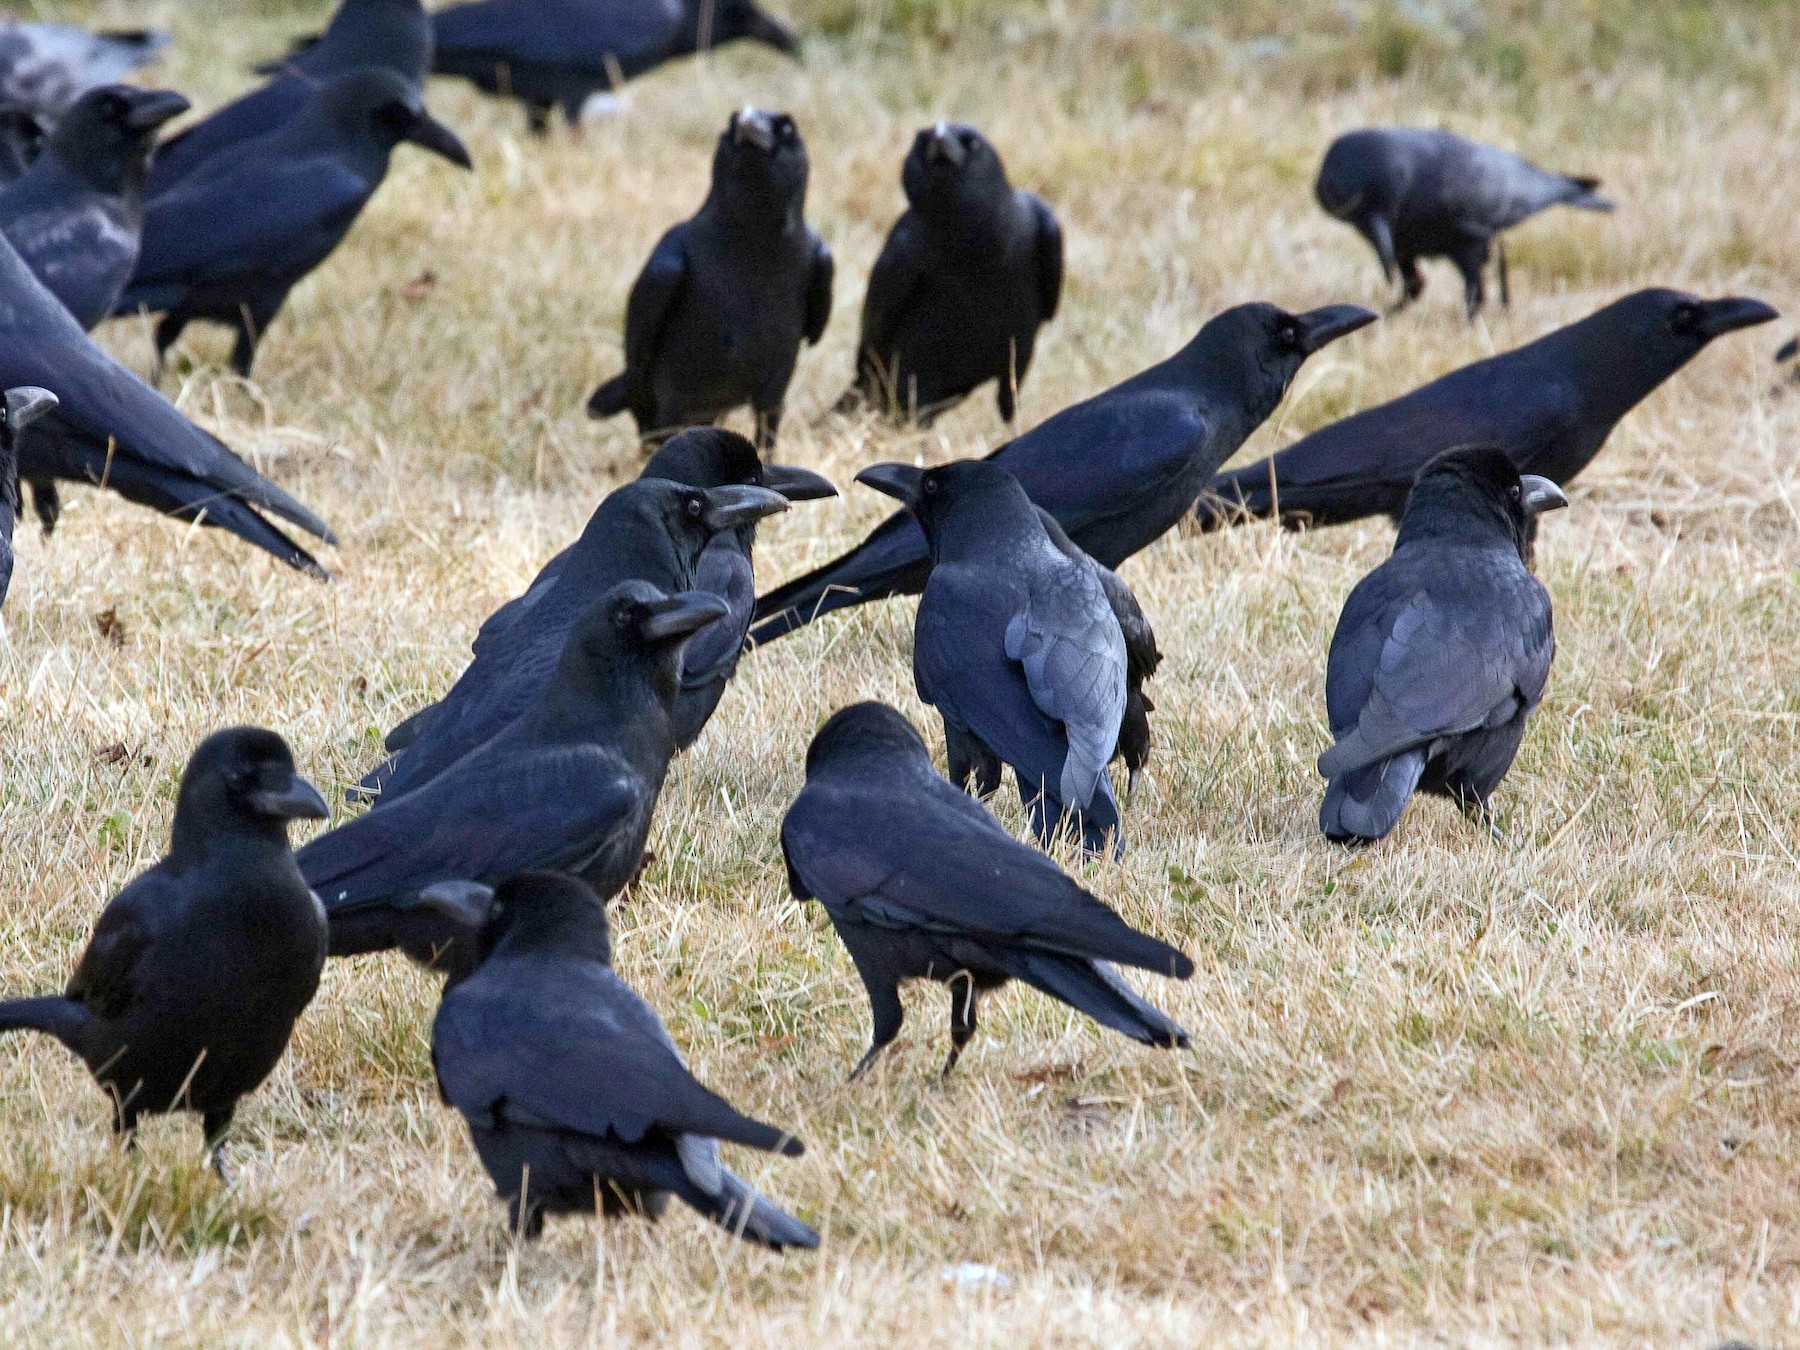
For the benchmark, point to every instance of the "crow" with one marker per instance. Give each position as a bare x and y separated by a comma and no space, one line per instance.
575,1096
1117,471
113,430
968,275
76,215
229,241
651,530
1442,652
550,53
1550,405
716,318
22,407
197,971
1428,194
921,883
45,67
390,35
1017,646
570,786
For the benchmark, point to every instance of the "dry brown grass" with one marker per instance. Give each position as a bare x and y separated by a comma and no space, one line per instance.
1437,1091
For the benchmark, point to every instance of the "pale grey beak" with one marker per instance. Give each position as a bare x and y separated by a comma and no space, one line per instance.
1540,495
25,404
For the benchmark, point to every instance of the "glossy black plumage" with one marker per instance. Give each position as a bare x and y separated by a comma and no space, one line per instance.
1550,405
1118,470
569,786
231,239
575,1095
1429,194
112,428
921,883
20,408
716,318
967,276
1442,652
197,971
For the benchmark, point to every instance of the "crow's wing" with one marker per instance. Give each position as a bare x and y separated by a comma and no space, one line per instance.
653,295
893,285
557,32
820,272
104,979
725,571
1048,251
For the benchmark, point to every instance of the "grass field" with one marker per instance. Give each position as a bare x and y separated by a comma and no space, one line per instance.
1438,1091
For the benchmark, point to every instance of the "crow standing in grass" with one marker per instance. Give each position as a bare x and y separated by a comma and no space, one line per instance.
111,428
1428,194
651,530
390,35
569,786
1442,652
966,278
922,884
559,53
197,971
1117,471
1017,646
21,407
1550,405
229,241
76,216
45,67
717,316
575,1096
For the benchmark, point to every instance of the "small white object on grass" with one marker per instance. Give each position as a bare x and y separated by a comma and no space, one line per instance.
970,1275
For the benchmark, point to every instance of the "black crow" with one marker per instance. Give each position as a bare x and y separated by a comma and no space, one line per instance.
1118,470
651,530
717,316
1550,405
570,786
76,216
1442,652
966,278
1428,194
230,240
197,971
575,1096
558,53
922,884
391,35
22,407
45,67
1016,645
22,137
112,429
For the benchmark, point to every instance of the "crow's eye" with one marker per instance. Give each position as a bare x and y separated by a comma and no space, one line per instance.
1290,336
785,129
931,487
1516,492
626,617
1685,318
696,507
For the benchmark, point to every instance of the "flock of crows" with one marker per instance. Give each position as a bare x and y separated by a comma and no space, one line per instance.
509,812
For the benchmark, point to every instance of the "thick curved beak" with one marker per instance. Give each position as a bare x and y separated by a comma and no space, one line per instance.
943,145
1540,494
1790,349
676,616
1322,327
25,404
740,504
430,134
772,32
797,484
754,126
465,903
1718,317
299,800
903,482
151,108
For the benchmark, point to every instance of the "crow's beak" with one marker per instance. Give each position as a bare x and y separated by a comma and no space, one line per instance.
1718,317
1789,350
740,504
771,31
153,107
676,616
903,482
755,126
797,484
1540,495
944,145
25,404
299,800
1322,327
465,903
430,134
